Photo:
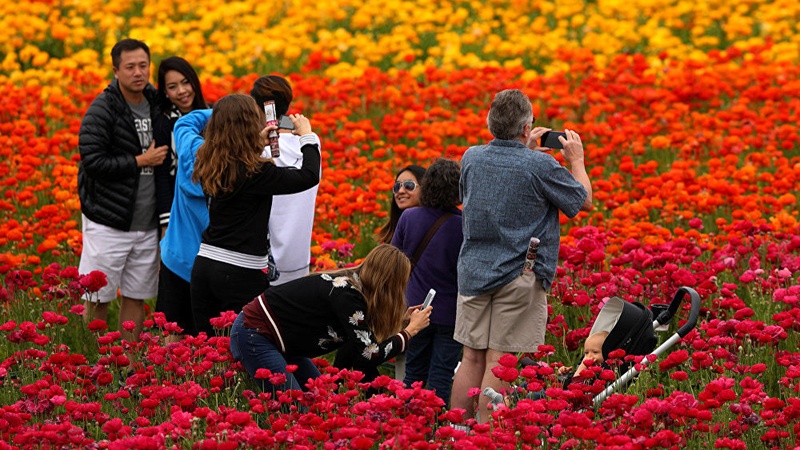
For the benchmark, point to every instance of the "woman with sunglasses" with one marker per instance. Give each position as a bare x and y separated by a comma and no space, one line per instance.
431,236
406,190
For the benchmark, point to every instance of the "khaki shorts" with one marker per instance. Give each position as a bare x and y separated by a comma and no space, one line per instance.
512,318
128,258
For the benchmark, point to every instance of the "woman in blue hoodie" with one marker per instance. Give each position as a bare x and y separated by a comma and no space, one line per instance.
179,93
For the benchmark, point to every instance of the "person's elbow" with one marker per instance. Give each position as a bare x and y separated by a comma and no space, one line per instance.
587,201
587,204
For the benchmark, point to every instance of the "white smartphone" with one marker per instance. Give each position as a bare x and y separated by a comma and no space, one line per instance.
428,299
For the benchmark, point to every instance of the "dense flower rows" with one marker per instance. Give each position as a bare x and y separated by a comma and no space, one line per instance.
347,36
689,112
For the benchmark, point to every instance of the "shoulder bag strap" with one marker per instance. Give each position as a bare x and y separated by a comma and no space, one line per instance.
425,240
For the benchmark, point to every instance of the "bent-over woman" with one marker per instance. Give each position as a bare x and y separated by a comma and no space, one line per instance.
309,317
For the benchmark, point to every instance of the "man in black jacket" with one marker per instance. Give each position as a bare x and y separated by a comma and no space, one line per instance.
117,188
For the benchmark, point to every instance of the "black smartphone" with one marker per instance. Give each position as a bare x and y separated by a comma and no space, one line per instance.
550,139
285,123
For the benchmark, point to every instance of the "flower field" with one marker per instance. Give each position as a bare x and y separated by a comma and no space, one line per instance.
689,112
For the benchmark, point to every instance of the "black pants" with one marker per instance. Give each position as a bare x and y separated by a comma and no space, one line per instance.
175,299
218,287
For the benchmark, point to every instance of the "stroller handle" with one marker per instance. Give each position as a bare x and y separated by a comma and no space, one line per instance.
694,312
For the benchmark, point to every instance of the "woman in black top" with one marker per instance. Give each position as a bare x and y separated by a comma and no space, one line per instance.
239,184
311,316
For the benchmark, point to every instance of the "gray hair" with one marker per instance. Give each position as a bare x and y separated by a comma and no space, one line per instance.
509,113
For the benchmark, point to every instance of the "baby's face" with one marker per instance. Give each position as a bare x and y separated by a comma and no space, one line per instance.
593,348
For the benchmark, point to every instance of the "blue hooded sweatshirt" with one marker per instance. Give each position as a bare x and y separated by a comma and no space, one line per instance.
189,214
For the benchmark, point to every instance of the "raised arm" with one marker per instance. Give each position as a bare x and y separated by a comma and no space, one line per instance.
188,139
573,153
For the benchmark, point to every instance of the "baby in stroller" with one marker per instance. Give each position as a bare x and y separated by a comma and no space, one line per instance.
592,350
627,326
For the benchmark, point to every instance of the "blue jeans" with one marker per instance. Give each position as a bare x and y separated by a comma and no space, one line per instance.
257,352
432,356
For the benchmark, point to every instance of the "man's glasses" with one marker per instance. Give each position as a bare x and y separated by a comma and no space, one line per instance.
408,185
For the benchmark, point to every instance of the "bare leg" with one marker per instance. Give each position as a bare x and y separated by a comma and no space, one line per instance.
95,310
468,376
173,338
489,380
131,309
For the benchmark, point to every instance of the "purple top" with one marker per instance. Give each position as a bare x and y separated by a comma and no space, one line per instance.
436,267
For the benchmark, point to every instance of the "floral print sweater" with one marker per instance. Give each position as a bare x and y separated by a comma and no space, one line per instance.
316,314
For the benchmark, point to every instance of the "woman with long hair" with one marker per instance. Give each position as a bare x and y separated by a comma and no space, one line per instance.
314,315
405,194
239,185
179,93
432,357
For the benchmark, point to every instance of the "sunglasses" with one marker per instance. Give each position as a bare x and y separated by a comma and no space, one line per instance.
409,185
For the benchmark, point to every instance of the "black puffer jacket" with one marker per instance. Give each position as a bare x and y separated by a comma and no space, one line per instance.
108,179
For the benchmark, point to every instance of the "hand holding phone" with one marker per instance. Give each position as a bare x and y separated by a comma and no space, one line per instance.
550,139
285,123
428,299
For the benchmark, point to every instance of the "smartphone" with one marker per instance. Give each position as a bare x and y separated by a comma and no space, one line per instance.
428,299
286,123
550,139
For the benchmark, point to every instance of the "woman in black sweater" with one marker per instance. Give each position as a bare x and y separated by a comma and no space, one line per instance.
309,317
239,184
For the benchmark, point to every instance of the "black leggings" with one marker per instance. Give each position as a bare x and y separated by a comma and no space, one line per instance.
218,287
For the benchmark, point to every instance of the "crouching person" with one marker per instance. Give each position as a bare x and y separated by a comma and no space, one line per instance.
314,315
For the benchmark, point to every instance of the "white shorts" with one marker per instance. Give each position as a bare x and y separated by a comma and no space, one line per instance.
128,258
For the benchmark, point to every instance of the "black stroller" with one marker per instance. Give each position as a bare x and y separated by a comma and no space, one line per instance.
631,327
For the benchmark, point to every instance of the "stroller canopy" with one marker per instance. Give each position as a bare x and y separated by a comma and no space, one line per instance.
629,327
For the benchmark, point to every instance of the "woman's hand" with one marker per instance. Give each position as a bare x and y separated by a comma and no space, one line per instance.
564,370
420,318
301,124
265,134
409,311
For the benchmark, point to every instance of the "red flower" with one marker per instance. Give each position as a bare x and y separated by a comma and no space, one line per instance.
277,378
262,374
508,360
94,281
238,418
679,376
507,374
97,325
361,442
